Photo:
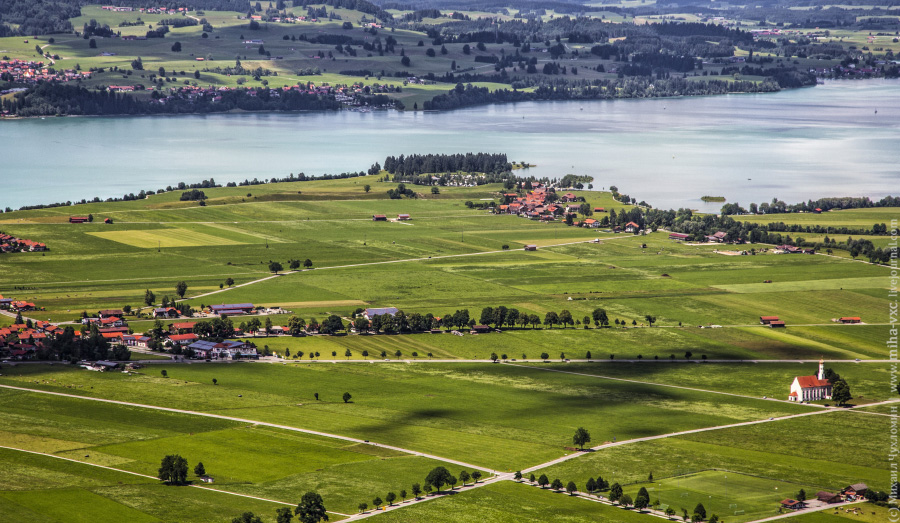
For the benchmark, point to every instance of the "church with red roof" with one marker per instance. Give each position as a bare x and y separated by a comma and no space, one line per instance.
811,388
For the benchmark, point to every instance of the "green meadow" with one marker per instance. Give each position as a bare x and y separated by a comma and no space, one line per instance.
459,411
799,451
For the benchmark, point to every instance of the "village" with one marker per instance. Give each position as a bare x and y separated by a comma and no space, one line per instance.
31,72
9,243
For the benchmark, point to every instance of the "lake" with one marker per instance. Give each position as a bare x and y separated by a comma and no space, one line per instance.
837,139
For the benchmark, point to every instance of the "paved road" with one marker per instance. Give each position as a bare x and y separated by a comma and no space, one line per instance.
255,422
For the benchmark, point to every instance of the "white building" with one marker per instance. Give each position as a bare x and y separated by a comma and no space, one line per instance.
811,388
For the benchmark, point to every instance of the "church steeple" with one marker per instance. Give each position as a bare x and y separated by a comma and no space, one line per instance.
821,369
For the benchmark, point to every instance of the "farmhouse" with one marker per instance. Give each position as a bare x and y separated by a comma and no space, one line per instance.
372,312
531,247
108,313
718,237
224,350
811,388
828,497
680,236
183,339
379,218
480,329
78,219
777,324
855,491
850,319
166,312
599,209
403,217
182,327
793,504
632,227
231,309
765,320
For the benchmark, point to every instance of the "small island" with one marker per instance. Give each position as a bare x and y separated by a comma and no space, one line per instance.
713,198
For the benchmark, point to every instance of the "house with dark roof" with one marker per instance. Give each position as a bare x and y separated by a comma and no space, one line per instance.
854,491
828,497
232,308
851,319
793,504
680,236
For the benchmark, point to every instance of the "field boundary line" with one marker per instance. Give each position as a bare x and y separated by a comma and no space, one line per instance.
255,422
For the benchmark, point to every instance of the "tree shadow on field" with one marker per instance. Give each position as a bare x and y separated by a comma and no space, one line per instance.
415,417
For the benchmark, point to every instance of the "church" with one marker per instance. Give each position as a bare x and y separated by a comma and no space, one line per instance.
811,388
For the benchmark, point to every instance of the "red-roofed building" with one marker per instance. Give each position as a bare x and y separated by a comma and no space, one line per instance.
765,320
811,388
632,227
182,339
851,319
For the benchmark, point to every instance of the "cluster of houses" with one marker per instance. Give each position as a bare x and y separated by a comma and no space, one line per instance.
9,243
148,10
20,341
14,305
850,493
790,249
535,204
31,72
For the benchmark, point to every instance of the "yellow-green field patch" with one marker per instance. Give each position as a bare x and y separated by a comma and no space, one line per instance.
164,238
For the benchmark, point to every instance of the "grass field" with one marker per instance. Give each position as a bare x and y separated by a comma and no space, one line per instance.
798,451
529,413
510,502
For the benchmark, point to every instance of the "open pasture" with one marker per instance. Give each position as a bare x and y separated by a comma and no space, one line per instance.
733,497
798,451
171,238
511,503
260,461
529,413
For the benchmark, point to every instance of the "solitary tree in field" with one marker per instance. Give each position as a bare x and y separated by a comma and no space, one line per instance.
311,508
149,297
229,281
518,475
181,288
307,263
581,437
173,469
650,319
347,397
367,187
164,373
199,470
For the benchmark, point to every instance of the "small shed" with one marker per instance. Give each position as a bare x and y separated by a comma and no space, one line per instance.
851,319
403,217
531,247
379,218
777,324
765,320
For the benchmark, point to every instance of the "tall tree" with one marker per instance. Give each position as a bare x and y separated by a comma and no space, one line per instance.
181,288
438,477
581,437
173,469
311,508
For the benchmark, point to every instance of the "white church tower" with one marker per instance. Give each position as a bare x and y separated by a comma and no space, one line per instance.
821,375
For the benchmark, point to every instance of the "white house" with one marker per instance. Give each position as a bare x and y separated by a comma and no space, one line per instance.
811,388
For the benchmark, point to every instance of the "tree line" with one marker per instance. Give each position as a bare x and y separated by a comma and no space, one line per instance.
415,164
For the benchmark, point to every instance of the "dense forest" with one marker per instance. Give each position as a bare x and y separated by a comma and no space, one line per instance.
415,164
47,99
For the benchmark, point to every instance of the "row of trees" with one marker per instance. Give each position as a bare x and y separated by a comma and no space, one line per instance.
414,164
436,479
